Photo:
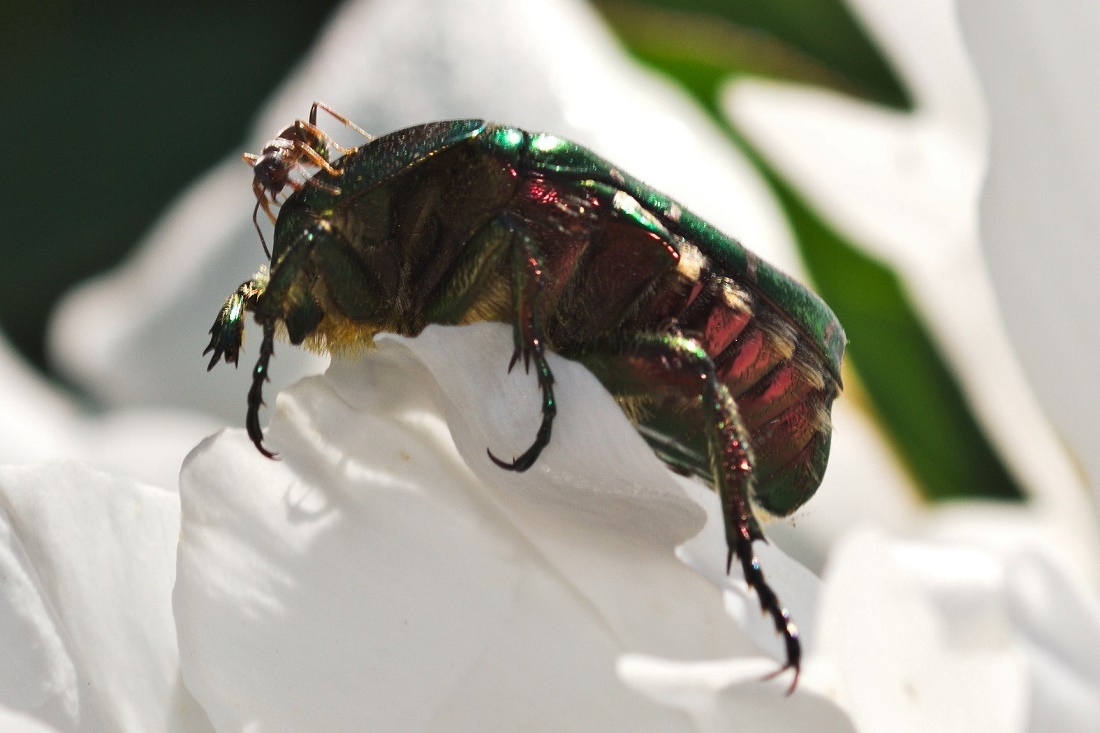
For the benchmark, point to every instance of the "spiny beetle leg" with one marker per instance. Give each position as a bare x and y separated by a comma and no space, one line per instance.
549,411
732,466
770,604
529,341
227,333
669,363
255,393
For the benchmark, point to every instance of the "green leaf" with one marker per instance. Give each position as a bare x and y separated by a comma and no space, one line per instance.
910,387
810,41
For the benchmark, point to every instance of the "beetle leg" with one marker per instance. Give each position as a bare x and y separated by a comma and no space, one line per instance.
527,275
227,333
650,363
255,392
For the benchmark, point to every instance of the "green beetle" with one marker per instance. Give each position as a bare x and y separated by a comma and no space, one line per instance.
727,367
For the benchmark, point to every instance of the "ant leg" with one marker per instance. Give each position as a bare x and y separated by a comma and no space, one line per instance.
256,223
341,118
314,157
312,181
263,201
316,135
333,190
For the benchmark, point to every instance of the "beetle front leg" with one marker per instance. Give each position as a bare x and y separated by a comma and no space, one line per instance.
255,393
227,333
677,366
527,277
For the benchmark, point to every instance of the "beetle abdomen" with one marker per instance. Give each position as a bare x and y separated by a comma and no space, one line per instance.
613,269
781,384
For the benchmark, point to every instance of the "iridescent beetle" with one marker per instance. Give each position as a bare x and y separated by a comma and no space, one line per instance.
727,367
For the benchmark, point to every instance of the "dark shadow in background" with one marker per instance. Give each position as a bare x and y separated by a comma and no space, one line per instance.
109,110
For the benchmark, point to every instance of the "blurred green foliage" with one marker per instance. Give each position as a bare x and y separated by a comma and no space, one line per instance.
909,385
810,41
110,109
704,44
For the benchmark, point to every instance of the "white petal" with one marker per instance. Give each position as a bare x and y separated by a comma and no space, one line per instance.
1039,213
905,187
922,41
901,662
85,619
13,722
1057,620
980,632
902,185
395,580
41,423
727,695
37,415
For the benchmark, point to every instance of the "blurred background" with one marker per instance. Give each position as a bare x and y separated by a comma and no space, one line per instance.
114,107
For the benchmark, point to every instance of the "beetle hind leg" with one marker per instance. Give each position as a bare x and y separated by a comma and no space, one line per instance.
677,367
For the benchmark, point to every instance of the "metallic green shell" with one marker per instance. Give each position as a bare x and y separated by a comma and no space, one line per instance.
388,159
394,153
806,310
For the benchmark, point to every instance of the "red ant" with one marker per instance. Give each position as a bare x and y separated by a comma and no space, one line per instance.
285,153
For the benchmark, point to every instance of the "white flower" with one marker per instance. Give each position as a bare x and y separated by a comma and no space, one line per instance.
395,580
41,423
906,187
87,561
385,575
1038,220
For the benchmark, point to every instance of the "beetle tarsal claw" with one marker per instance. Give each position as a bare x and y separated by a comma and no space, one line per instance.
503,464
781,670
521,464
